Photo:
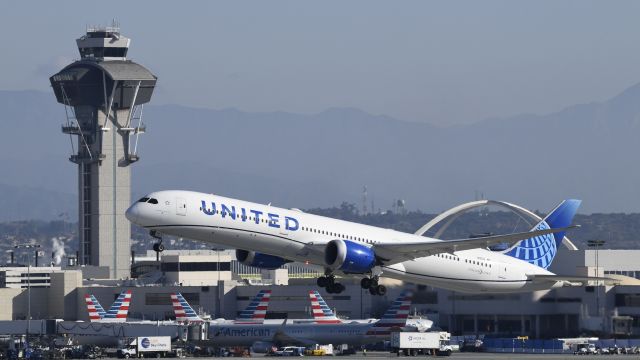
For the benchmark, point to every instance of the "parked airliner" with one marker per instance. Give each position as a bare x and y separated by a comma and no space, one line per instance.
255,312
353,333
268,237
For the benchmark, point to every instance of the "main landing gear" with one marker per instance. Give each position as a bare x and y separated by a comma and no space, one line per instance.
329,282
373,286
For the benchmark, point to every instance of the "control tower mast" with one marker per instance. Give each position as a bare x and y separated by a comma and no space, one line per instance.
103,94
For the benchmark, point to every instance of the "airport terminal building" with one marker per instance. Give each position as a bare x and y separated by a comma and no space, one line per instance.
217,285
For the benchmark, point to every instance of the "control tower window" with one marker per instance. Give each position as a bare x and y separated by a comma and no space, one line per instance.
100,52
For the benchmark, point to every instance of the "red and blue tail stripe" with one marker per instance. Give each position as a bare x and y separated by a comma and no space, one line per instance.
183,311
322,314
96,311
256,312
396,316
120,308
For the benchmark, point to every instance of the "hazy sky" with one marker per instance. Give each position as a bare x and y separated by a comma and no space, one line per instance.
444,62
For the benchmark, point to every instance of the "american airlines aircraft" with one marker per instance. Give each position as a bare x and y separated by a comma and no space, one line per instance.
268,237
117,312
304,334
255,312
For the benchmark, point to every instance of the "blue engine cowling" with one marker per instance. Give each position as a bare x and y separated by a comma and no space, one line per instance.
260,260
349,256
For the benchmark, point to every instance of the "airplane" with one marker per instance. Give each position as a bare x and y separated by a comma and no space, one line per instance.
254,313
322,314
265,336
117,312
268,237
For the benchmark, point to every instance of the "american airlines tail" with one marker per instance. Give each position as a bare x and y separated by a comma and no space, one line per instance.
117,312
96,311
322,314
541,250
120,308
396,316
256,312
184,312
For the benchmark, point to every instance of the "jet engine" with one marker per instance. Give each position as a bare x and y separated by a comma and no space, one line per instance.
349,256
260,260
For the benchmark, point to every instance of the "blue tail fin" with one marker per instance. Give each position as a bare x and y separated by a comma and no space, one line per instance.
541,250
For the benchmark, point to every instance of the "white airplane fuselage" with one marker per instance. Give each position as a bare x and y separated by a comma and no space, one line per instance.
288,233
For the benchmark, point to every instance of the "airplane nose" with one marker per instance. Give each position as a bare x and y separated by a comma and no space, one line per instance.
132,213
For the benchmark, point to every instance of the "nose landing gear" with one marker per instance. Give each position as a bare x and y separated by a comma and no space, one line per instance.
157,247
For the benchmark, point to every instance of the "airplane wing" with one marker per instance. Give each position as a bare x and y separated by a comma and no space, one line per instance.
395,252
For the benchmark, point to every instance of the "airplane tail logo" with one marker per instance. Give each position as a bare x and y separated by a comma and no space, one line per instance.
120,308
541,250
398,312
322,314
256,312
184,312
396,316
96,311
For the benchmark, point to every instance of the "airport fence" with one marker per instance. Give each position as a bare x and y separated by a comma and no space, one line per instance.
514,345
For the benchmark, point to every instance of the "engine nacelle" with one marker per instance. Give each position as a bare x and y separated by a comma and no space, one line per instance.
349,256
260,260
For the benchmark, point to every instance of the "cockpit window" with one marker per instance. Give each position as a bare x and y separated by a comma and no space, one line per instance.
153,201
144,199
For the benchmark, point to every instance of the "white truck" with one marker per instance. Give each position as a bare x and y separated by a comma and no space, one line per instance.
421,343
146,346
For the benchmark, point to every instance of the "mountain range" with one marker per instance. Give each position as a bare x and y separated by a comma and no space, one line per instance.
586,151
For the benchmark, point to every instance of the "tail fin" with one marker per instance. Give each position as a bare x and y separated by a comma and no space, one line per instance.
257,309
396,316
398,312
120,308
184,312
541,250
322,314
96,311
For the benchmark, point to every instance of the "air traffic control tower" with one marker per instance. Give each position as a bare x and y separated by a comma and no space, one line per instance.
103,94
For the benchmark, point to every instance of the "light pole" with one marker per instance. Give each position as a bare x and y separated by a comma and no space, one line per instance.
28,246
597,244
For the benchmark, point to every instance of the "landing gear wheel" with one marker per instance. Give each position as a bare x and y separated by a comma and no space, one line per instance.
158,247
374,282
380,290
335,288
365,283
322,281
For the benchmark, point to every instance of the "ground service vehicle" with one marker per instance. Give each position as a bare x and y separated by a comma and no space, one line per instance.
414,343
320,350
146,346
584,349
